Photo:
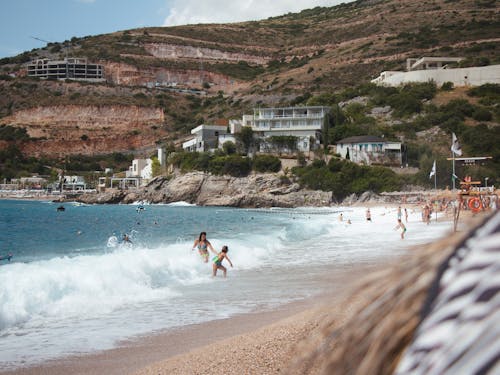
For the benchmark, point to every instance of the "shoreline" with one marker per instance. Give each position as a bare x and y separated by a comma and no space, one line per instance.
137,355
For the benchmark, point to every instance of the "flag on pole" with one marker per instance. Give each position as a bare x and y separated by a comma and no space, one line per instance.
455,146
433,170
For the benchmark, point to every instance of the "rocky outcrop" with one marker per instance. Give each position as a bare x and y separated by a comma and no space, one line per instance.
73,129
261,190
87,117
176,51
125,74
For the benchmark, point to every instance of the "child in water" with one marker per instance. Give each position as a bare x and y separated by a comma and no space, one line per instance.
218,261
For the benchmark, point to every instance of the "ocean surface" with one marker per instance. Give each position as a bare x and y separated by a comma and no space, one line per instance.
73,287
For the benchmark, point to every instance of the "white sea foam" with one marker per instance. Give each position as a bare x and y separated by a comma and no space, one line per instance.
181,204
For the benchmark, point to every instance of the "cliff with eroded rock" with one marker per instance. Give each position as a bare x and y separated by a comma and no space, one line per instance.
72,129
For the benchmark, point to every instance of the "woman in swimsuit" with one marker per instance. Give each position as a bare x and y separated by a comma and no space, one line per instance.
202,244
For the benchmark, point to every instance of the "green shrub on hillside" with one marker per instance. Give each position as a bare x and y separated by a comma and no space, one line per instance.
233,165
14,164
11,133
343,177
266,163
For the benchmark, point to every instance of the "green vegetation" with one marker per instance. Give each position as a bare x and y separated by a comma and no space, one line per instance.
14,164
266,163
343,177
223,164
83,163
11,133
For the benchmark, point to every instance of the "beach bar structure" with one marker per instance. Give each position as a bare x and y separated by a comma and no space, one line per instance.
69,68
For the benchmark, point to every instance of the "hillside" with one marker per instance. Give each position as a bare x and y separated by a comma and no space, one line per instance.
284,60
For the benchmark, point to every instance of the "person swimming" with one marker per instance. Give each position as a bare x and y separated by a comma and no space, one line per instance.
202,245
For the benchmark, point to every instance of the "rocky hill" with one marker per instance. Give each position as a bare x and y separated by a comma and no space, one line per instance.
230,68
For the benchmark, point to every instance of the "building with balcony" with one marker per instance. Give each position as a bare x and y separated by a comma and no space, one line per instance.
69,68
206,137
304,123
368,150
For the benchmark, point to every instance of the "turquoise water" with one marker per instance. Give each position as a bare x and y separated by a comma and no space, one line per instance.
70,276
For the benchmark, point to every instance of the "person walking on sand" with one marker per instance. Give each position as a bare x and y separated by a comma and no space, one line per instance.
218,261
403,228
202,244
399,213
368,215
406,214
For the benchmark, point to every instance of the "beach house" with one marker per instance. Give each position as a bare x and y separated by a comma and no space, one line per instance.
305,124
206,137
368,150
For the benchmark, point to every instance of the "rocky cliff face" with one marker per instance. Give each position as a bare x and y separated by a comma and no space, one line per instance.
176,51
124,74
261,190
73,129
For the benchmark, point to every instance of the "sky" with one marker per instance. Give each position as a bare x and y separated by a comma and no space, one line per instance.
23,22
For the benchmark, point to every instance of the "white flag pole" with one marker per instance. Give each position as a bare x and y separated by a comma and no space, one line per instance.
435,176
435,189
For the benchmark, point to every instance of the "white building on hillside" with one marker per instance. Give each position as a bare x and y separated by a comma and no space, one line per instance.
141,168
139,173
304,123
368,149
206,137
436,69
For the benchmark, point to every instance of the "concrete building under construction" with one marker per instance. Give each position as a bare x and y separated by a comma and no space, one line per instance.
69,68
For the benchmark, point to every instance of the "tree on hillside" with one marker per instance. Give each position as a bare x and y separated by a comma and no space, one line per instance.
246,138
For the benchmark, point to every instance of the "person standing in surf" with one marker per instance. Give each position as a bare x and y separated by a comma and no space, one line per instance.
368,215
202,244
218,261
403,228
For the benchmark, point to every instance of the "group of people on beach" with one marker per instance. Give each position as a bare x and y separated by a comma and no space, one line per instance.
203,245
399,224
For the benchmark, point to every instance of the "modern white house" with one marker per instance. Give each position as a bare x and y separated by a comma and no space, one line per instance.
436,69
206,137
139,173
304,123
368,150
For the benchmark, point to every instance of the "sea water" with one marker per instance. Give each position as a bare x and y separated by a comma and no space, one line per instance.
74,287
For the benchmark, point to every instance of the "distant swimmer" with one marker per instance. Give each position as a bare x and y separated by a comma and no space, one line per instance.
8,257
126,238
202,245
218,261
368,215
341,217
403,228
